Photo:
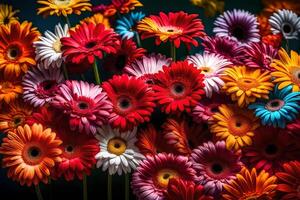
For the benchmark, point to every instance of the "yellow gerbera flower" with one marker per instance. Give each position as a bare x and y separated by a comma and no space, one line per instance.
7,14
234,125
287,70
211,7
244,85
63,7
95,19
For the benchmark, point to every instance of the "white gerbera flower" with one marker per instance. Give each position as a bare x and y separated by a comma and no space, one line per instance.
118,152
212,66
285,22
48,48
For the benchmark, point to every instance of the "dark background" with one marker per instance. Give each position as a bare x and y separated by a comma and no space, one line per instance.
97,182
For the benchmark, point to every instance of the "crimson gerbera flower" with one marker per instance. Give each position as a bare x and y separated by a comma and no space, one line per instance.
270,149
132,100
126,53
78,155
178,87
86,105
89,41
289,180
294,127
176,27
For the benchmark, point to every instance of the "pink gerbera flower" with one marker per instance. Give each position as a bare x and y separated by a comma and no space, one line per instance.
85,104
150,180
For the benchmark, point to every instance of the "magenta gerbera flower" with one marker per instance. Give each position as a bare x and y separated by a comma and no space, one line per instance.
41,85
85,104
239,25
150,180
215,165
259,55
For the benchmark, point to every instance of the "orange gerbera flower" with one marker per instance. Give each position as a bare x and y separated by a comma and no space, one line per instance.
16,49
272,6
30,153
15,115
249,185
9,90
234,125
97,19
63,7
7,14
121,6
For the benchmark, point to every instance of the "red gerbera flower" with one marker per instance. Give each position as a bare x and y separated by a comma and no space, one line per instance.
175,27
179,189
78,155
294,127
270,149
126,53
89,41
178,87
132,100
289,180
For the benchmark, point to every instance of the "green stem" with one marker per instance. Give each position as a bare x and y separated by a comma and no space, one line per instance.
109,187
82,77
173,51
65,70
68,21
138,39
126,186
84,182
38,192
96,72
287,45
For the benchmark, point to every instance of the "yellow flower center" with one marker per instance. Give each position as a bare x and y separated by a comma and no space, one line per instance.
205,70
247,83
57,46
295,72
169,30
163,176
239,125
116,146
13,53
62,2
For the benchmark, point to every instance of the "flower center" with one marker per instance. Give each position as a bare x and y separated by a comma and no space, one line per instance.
163,176
13,53
287,28
48,84
271,149
17,121
124,103
90,44
69,149
170,30
34,152
57,46
116,146
62,2
6,20
247,83
238,33
205,70
83,105
239,125
178,89
216,168
295,72
274,105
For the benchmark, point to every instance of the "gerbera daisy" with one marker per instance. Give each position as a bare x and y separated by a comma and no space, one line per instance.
271,6
132,100
41,85
63,7
294,127
285,22
14,115
9,90
234,125
176,27
244,84
281,107
151,178
259,55
178,87
287,70
211,7
274,40
30,153
147,66
48,48
215,166
118,153
179,189
270,149
289,180
78,155
239,25
125,6
211,66
250,185
16,50
7,14
87,42
97,18
181,137
126,25
225,47
106,10
85,104
125,54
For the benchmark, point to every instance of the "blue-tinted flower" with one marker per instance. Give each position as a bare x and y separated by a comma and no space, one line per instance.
125,26
281,107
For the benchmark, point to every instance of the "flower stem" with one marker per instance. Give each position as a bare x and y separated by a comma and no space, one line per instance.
65,70
109,187
173,51
38,192
96,73
138,39
126,186
82,77
68,21
84,182
287,45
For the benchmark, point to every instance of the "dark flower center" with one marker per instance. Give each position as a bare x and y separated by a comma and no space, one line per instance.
117,145
17,121
287,28
275,105
13,53
214,109
69,149
166,176
150,81
271,149
83,105
6,20
238,124
216,168
170,30
90,45
48,84
238,33
124,103
34,152
178,89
